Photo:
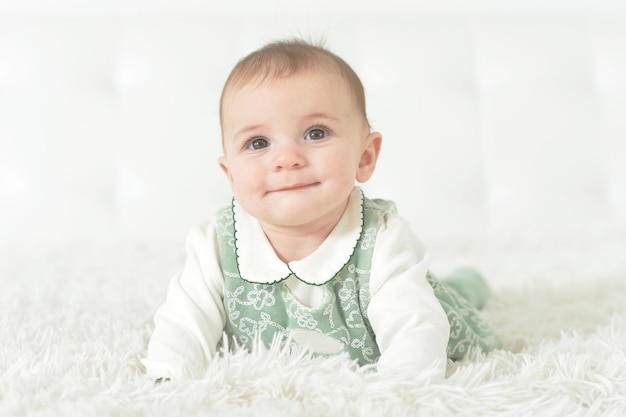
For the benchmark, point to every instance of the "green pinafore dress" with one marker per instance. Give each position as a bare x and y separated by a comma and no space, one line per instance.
269,311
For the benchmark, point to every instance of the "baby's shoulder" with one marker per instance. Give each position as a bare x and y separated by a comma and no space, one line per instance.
378,212
379,205
224,211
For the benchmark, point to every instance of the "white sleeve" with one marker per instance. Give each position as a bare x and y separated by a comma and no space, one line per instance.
410,324
190,323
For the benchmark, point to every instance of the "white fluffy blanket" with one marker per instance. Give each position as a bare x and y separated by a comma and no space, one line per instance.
75,320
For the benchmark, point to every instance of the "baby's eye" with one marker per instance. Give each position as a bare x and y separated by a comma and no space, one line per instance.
316,134
257,143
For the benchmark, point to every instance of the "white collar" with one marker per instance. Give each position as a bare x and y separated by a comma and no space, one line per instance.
259,263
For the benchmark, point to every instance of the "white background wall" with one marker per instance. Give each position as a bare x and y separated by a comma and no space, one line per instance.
496,115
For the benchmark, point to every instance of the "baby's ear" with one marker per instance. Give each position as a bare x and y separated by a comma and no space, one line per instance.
367,164
223,163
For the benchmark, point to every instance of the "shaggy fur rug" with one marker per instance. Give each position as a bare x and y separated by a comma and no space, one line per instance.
75,320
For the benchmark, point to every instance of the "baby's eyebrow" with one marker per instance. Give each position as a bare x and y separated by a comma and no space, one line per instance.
321,115
248,129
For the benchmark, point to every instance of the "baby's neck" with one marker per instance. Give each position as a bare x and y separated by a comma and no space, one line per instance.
295,244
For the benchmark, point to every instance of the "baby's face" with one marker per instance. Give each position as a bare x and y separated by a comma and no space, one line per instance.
293,148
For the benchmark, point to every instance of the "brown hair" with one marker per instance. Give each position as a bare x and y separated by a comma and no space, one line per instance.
283,59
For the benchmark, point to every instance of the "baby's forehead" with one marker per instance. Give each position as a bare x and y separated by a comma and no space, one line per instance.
265,77
245,89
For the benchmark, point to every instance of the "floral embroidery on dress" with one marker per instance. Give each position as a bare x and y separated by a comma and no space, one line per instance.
261,296
369,237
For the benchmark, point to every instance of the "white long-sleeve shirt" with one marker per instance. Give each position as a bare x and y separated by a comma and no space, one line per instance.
410,325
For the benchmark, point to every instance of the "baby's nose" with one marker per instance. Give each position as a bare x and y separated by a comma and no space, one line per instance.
288,157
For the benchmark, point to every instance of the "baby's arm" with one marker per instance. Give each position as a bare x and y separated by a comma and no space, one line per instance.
410,325
189,325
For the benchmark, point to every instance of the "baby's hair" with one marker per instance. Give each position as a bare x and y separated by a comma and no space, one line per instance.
283,59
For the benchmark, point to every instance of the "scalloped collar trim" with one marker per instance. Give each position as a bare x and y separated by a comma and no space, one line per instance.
258,263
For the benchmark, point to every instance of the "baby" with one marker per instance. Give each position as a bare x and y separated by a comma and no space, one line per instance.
301,255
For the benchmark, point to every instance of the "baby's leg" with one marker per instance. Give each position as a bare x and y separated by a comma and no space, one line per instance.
460,295
469,284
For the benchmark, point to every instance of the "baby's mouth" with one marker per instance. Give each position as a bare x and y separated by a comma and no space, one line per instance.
297,186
